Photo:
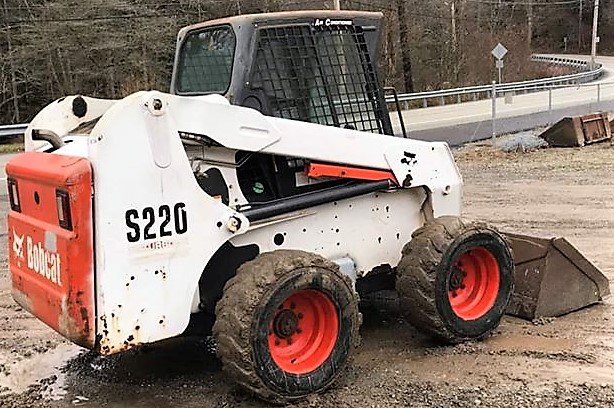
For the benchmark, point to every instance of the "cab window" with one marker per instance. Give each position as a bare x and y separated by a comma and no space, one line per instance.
205,61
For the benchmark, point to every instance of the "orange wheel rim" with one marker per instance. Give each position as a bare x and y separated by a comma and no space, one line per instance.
474,283
303,331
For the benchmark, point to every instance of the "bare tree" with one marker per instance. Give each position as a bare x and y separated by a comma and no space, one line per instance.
110,48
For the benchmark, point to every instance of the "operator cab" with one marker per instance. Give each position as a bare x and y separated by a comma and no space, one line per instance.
312,66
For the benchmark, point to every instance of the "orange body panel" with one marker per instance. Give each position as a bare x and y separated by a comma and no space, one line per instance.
52,268
317,170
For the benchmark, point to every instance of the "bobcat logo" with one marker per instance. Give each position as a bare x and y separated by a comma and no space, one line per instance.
18,244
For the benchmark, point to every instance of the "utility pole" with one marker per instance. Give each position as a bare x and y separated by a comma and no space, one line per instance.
595,37
337,4
580,26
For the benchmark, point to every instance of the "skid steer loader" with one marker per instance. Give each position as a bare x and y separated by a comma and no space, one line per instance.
257,201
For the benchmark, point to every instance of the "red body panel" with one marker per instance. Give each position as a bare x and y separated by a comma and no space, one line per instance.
52,268
317,170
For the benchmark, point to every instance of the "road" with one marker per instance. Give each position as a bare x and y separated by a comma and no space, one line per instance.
460,123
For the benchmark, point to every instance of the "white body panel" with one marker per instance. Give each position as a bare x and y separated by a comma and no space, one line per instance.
146,289
58,118
366,228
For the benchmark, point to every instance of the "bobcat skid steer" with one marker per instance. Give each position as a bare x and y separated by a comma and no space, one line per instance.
256,202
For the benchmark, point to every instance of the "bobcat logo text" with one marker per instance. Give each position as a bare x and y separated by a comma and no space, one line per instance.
39,260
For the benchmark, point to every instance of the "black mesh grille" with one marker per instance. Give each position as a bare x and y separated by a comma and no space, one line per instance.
318,74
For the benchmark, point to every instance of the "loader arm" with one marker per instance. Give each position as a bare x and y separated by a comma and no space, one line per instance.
414,163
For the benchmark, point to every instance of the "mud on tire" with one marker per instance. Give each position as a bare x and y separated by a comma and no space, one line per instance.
454,279
269,316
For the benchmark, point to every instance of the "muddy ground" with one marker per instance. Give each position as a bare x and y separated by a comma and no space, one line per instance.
567,361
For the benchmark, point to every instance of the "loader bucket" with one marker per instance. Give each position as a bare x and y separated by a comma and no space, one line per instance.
578,131
552,278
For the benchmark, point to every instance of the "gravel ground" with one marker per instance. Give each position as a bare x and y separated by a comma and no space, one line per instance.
566,361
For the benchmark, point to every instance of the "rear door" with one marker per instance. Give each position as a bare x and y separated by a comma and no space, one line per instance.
50,241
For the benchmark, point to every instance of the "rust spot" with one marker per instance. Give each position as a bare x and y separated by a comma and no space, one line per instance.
85,319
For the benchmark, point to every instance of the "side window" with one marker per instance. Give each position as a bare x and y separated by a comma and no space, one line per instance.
205,61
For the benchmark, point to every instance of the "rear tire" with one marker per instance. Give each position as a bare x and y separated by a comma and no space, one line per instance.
455,280
286,325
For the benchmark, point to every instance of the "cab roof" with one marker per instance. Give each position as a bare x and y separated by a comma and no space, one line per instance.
286,16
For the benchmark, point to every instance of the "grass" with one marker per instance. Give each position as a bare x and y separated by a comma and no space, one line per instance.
14,147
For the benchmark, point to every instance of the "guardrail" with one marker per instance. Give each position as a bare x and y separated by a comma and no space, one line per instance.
7,131
484,91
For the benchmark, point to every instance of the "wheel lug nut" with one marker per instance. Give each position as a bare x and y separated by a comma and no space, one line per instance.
462,286
289,340
453,294
298,331
300,315
292,306
277,342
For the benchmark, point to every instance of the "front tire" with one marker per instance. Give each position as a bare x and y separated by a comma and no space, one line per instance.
455,280
286,325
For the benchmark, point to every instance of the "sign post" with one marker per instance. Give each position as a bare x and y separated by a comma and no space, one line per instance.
499,52
595,36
